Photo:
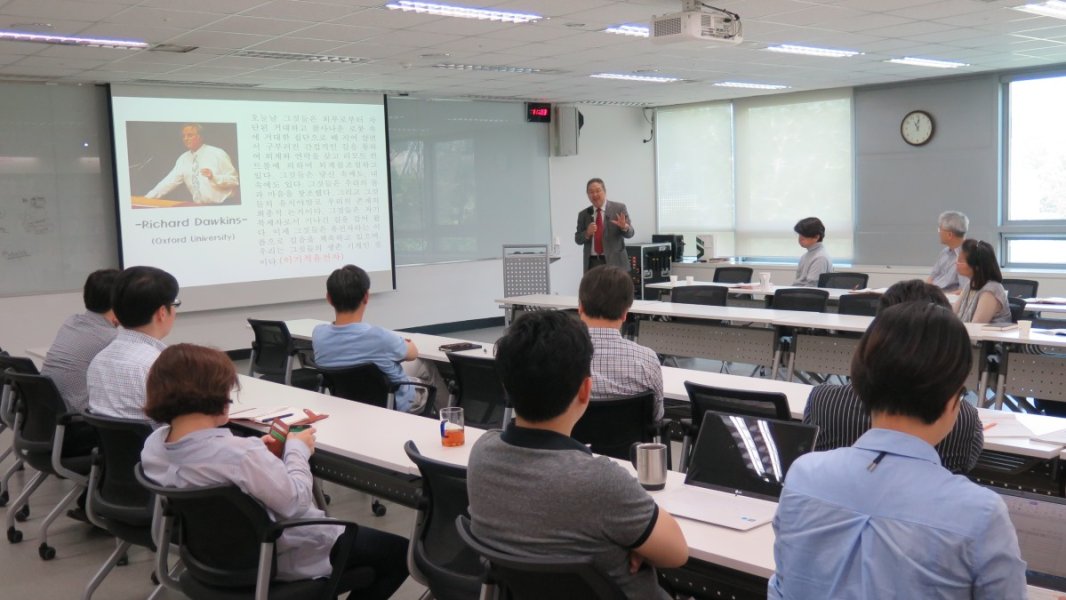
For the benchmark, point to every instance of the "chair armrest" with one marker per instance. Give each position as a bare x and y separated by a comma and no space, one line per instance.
274,531
69,417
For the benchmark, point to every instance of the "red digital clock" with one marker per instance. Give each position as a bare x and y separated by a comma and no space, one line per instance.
538,112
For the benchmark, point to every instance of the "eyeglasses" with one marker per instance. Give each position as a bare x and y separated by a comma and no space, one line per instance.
175,304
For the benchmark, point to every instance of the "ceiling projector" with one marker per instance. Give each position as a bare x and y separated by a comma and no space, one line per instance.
697,22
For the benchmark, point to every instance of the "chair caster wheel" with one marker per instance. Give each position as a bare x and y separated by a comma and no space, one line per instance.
3,498
46,552
378,509
14,535
123,561
23,513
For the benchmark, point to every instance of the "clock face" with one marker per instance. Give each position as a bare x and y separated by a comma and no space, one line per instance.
917,128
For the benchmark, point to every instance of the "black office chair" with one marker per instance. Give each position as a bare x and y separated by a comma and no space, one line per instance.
863,305
479,391
808,299
274,353
437,556
844,281
226,541
368,384
702,398
116,501
732,275
1021,288
558,578
1017,308
612,425
707,295
41,422
16,364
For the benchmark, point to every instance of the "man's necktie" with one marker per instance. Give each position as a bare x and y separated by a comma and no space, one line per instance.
195,187
598,238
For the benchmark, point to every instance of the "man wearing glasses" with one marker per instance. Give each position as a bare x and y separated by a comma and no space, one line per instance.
145,303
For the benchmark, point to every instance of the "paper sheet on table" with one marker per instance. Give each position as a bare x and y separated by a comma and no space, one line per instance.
998,425
1036,593
266,415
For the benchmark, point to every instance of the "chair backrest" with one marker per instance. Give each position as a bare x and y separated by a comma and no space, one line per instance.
272,348
808,299
864,305
452,569
15,364
219,530
1017,308
845,281
1021,288
361,383
732,275
118,496
612,425
480,391
708,295
558,578
39,407
770,405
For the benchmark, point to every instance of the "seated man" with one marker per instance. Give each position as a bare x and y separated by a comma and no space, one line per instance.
144,301
81,338
883,518
619,367
839,414
535,491
348,341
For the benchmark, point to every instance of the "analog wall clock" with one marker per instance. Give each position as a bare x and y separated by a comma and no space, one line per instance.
917,128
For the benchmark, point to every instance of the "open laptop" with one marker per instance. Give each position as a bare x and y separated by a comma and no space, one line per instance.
738,467
1040,522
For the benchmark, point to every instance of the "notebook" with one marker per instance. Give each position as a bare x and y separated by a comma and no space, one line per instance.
1040,522
738,467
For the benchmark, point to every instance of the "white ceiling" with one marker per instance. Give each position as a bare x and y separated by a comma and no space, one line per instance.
402,48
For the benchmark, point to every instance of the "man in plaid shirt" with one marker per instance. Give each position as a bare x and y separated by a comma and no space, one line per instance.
620,367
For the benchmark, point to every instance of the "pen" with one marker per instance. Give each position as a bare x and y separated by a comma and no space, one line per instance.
269,419
989,425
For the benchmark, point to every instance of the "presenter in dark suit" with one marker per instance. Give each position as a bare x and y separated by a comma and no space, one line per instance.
603,228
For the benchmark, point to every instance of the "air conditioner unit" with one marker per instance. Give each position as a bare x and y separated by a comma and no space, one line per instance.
698,25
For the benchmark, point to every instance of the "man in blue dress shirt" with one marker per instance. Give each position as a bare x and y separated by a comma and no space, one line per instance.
883,518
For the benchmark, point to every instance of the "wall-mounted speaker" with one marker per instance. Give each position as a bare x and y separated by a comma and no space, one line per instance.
566,129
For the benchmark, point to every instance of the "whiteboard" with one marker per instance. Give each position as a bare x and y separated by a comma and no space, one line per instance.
57,208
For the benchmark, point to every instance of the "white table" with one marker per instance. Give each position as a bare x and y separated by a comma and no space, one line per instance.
375,436
738,289
428,345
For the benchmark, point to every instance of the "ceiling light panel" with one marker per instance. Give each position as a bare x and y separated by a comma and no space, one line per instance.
463,12
751,86
633,77
71,40
630,30
927,62
1053,8
813,51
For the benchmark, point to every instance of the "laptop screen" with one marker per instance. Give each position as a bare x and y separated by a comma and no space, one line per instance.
747,455
1041,525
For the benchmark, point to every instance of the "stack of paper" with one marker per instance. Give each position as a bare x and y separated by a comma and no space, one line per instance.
287,414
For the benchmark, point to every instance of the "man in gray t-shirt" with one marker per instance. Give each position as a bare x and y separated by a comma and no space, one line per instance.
535,491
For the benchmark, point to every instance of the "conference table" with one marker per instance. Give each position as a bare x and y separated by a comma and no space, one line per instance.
358,439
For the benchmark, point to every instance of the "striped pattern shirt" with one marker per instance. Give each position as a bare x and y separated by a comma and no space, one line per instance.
118,375
77,342
837,410
621,367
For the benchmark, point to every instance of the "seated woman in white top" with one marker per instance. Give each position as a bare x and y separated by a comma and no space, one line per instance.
985,299
811,232
189,388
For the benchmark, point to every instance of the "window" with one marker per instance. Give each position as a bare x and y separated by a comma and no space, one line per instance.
1034,213
733,168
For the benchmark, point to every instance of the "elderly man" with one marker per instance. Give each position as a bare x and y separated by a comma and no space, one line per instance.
205,170
603,229
952,227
